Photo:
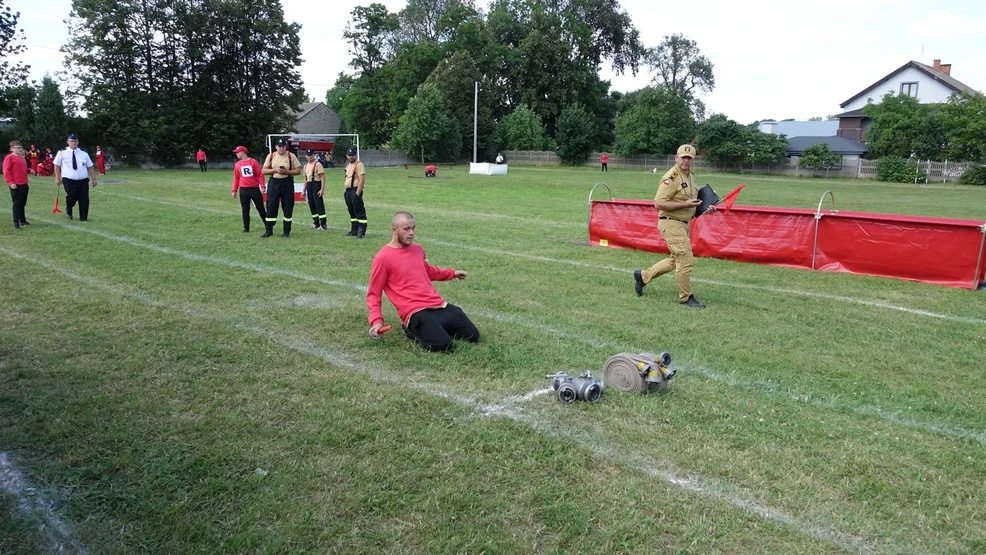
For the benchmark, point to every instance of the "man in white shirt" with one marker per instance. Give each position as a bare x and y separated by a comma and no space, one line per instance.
74,170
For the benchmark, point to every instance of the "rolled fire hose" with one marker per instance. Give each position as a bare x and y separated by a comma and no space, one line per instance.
638,372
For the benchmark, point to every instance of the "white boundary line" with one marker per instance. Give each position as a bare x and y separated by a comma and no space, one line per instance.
707,489
887,416
580,264
58,535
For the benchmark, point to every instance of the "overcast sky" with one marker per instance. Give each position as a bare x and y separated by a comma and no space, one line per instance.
773,59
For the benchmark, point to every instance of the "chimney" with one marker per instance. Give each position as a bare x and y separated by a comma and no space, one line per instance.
937,64
946,69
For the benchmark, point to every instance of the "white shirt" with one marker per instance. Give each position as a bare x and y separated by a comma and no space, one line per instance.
82,160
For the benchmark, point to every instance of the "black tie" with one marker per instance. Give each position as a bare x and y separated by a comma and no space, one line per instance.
75,164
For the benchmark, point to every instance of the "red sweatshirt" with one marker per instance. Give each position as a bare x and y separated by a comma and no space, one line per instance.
405,276
246,174
15,170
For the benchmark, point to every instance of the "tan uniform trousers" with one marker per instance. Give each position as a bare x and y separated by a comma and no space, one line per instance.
675,234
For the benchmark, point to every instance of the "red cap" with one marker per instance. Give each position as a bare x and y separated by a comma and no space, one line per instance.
240,148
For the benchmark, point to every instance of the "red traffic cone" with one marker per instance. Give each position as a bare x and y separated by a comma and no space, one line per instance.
56,210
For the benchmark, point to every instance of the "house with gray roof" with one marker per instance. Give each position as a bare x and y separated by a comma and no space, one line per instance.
849,150
928,84
800,128
316,118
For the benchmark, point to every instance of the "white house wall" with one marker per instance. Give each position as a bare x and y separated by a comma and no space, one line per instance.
930,91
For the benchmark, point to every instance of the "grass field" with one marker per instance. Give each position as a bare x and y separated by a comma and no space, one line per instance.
170,384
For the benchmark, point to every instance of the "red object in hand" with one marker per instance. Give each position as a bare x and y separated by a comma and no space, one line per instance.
384,329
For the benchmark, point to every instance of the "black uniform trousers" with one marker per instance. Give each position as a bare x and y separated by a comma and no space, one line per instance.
19,197
280,190
203,165
248,195
315,203
434,328
77,191
354,202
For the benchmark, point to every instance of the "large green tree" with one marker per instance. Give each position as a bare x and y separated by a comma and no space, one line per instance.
522,129
426,130
902,127
682,69
723,139
658,123
456,78
576,134
162,77
964,118
11,73
49,125
818,157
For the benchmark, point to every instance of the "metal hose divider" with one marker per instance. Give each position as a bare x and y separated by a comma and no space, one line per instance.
588,220
818,218
979,259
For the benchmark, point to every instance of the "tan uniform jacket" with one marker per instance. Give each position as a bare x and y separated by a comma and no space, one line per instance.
677,186
288,160
313,172
353,173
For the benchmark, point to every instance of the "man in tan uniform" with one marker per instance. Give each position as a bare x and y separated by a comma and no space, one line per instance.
282,165
677,198
353,194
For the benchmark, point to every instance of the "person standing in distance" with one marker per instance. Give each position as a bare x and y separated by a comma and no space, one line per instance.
100,160
353,194
249,181
315,189
604,160
677,198
203,161
282,166
74,170
15,174
401,270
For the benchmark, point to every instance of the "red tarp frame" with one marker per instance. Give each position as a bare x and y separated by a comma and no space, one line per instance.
930,250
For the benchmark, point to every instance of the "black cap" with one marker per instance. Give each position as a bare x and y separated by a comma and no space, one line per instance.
72,137
281,142
351,151
309,151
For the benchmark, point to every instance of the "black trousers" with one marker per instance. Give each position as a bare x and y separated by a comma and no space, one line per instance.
77,191
19,197
605,168
252,194
280,190
315,202
202,165
354,202
434,328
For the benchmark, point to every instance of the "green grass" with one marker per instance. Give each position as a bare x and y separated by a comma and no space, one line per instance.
155,357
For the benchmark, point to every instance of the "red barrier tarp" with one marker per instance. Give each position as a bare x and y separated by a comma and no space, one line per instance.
931,250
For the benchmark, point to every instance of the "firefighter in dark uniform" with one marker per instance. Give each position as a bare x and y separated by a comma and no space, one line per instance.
315,189
353,194
282,166
677,198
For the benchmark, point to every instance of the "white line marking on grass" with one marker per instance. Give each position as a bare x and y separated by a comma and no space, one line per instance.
761,387
580,264
58,536
635,461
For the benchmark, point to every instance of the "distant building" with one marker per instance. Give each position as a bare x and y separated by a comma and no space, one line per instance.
928,84
316,118
849,150
800,128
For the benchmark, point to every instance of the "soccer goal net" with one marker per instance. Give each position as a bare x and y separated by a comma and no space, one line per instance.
320,143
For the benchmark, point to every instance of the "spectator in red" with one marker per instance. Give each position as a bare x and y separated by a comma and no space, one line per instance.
604,160
201,159
34,158
15,174
100,160
401,270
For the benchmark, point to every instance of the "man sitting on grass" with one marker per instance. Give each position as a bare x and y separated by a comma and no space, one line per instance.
401,271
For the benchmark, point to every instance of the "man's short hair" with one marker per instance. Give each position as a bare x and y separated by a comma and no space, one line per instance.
15,143
398,217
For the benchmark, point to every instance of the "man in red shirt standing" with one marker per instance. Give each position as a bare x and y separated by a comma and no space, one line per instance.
100,160
15,174
35,157
201,159
248,179
604,160
401,271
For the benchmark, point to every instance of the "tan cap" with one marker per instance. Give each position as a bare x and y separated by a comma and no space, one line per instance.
686,150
